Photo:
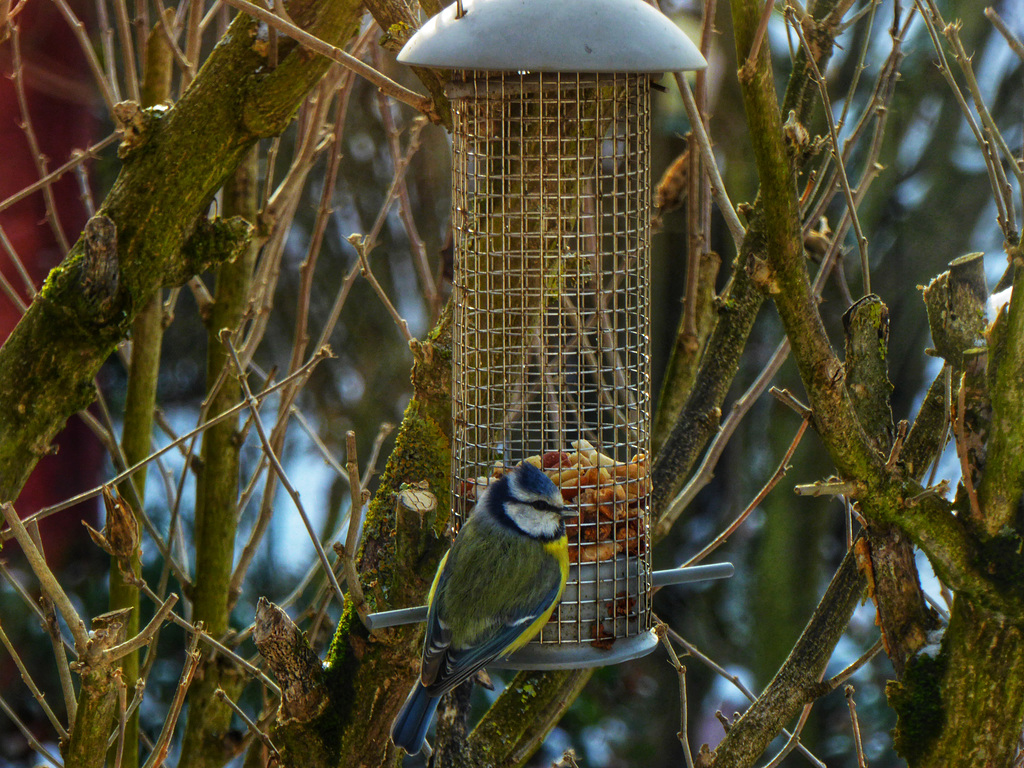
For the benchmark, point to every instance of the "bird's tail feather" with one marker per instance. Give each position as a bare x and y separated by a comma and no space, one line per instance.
410,726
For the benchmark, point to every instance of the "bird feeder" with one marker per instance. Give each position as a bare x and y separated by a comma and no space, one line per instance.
551,213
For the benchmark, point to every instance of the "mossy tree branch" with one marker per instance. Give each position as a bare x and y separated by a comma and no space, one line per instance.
797,681
887,555
1002,482
884,495
216,512
960,686
140,401
737,308
368,676
173,165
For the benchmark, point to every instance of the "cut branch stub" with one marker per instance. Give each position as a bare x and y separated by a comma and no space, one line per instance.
955,301
885,555
97,701
293,663
866,324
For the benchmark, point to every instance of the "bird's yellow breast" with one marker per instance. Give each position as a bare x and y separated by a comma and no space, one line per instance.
558,549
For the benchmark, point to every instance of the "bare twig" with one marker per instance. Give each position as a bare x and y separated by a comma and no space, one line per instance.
858,743
780,472
416,245
82,35
38,157
386,428
253,404
684,740
834,682
851,203
146,634
419,102
739,410
192,658
33,688
78,157
997,21
122,715
755,47
792,741
29,736
355,517
60,656
963,454
732,220
692,650
323,353
47,581
253,728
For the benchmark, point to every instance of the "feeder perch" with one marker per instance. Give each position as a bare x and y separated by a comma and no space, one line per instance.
551,212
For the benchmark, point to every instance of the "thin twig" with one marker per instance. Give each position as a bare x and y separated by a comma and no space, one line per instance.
755,47
684,739
206,637
122,715
960,440
38,157
692,650
834,682
385,429
858,743
60,657
78,157
278,468
29,737
253,728
780,472
323,353
358,243
1012,40
47,581
10,290
417,247
792,741
127,50
355,519
862,241
82,35
421,103
146,634
739,410
192,658
732,220
33,688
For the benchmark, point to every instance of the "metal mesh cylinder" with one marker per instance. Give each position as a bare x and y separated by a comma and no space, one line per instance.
551,360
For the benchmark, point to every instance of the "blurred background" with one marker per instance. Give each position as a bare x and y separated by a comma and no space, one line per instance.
930,203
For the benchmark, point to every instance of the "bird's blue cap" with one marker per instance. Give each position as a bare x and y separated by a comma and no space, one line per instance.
531,479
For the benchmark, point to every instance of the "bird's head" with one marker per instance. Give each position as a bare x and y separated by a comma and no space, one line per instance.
527,500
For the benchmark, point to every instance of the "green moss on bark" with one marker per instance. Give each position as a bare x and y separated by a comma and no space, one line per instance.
917,701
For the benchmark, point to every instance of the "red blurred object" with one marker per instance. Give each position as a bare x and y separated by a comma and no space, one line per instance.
62,103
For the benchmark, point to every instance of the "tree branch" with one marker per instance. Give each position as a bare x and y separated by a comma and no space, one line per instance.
170,173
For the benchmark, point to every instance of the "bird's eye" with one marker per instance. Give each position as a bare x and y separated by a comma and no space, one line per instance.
541,505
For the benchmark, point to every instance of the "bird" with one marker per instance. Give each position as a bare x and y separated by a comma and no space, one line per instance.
493,592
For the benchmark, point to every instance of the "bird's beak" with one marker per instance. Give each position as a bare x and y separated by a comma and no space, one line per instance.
568,511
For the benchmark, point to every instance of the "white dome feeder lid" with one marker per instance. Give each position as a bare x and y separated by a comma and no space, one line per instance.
553,36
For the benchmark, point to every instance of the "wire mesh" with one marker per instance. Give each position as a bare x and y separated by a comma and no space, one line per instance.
551,357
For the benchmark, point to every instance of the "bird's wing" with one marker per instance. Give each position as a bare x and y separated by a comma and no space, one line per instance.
439,635
450,666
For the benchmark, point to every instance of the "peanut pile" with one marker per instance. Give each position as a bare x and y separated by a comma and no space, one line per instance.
610,496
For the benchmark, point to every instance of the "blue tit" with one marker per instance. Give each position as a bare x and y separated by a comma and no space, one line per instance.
494,590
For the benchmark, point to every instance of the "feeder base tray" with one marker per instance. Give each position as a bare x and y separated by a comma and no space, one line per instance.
578,655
